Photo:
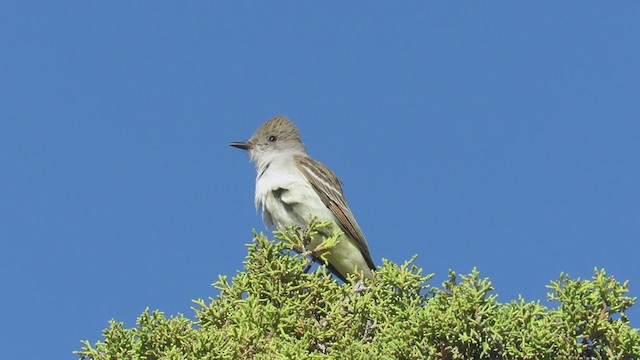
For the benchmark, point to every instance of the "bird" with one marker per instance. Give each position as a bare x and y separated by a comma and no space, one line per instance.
292,187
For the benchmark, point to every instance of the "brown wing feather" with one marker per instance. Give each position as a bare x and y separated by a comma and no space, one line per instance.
329,189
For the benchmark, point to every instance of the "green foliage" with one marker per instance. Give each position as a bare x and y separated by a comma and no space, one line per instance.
275,309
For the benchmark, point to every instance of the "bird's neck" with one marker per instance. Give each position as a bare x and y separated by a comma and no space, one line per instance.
275,161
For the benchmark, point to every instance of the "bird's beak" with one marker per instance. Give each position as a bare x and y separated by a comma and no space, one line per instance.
244,145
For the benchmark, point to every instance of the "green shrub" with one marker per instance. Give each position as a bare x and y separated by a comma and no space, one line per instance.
275,309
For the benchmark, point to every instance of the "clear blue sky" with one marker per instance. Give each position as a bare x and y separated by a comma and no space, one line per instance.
500,135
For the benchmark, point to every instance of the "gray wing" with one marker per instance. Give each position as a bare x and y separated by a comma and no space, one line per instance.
329,189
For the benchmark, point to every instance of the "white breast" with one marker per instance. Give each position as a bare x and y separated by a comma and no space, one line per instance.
285,198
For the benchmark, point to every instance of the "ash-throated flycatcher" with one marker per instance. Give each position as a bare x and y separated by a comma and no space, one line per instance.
291,187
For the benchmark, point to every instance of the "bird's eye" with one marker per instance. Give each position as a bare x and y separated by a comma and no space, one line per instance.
272,138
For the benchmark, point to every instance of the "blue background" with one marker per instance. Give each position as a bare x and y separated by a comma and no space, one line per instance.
500,135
